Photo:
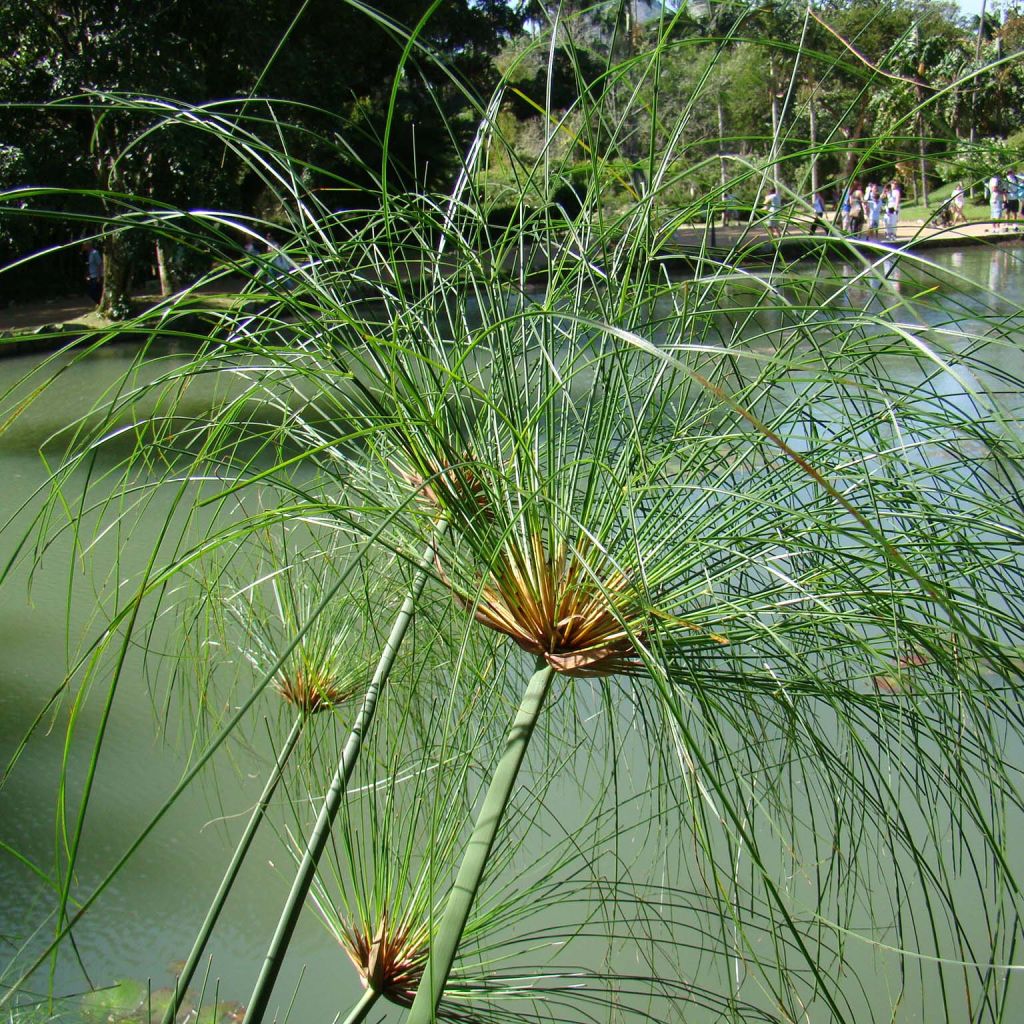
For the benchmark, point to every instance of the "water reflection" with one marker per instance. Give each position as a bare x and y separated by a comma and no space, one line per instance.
889,279
995,269
1003,268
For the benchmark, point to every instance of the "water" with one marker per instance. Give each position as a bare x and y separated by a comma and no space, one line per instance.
148,916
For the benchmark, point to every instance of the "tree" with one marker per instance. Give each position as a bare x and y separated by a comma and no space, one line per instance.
76,65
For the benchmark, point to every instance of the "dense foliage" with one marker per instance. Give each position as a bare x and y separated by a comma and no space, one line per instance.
877,90
61,127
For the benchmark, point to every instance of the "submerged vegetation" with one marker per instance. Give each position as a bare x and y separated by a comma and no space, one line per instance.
628,645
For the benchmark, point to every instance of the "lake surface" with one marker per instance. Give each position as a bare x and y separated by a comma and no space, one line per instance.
148,917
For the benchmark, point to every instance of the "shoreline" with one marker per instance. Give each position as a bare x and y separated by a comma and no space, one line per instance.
46,325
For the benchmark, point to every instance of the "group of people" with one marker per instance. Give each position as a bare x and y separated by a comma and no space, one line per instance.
1006,198
873,211
863,211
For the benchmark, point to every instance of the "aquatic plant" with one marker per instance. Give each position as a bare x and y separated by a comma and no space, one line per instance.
317,662
762,522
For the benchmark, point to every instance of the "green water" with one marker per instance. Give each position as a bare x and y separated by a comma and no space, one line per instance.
147,918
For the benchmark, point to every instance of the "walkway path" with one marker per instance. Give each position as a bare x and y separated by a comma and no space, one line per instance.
55,312
31,315
911,232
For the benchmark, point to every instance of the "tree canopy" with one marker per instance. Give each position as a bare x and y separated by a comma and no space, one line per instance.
904,88
332,65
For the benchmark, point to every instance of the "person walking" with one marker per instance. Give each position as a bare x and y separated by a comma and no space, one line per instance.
818,207
895,195
890,220
773,206
1010,202
93,272
856,222
894,200
995,200
874,205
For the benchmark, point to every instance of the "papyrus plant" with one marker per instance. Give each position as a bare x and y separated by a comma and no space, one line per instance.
774,506
275,622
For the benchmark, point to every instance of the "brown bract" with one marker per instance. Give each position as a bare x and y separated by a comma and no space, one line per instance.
569,606
310,692
391,961
556,608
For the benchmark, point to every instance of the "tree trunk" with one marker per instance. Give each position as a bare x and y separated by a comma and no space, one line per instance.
117,276
853,138
922,142
775,141
163,267
974,92
632,149
724,176
812,114
919,90
924,160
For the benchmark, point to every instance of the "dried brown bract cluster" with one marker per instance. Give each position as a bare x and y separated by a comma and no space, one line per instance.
391,961
553,606
568,604
311,692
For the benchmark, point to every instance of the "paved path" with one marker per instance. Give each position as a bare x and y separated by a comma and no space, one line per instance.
30,315
54,312
912,232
